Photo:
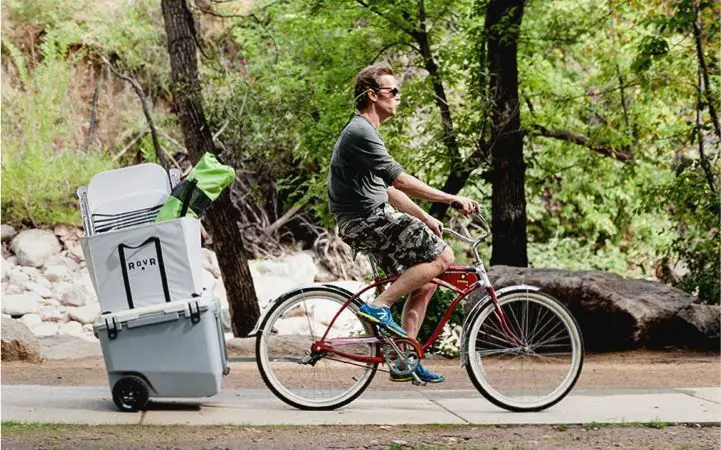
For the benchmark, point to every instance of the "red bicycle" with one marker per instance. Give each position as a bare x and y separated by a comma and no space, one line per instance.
522,349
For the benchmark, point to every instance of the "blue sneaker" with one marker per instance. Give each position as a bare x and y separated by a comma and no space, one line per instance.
381,315
424,374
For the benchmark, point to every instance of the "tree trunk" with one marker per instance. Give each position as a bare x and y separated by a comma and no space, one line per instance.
503,23
222,218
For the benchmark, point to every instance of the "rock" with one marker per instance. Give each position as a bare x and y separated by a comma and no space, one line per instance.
225,320
57,272
694,326
613,313
220,292
208,280
79,292
69,347
34,247
46,329
12,260
4,270
20,304
71,328
75,251
17,277
7,232
85,314
50,314
32,272
268,288
210,262
18,342
299,268
324,275
60,260
11,288
39,289
30,320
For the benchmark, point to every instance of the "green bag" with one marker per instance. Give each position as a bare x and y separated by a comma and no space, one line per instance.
203,184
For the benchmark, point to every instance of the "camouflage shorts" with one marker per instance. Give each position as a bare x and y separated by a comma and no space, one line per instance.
396,240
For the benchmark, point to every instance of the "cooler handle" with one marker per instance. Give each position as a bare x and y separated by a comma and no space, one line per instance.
161,264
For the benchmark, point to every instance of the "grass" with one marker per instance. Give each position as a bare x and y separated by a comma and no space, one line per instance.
655,424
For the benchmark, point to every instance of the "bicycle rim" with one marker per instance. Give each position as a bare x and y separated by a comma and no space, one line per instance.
286,340
537,372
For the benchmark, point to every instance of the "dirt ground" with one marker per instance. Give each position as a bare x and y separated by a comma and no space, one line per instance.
591,436
634,369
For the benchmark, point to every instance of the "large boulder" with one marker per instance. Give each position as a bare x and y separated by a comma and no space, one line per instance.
18,342
694,326
614,313
34,247
298,268
21,304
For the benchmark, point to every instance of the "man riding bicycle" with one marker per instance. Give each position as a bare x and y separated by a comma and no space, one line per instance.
369,195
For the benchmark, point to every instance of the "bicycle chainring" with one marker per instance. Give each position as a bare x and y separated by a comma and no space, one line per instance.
404,363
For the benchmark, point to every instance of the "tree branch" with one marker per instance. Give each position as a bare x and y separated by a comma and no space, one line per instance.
704,69
162,159
579,139
383,16
285,218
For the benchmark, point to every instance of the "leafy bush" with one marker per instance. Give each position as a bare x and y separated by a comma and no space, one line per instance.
40,171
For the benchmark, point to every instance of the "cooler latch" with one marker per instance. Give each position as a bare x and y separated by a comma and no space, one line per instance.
112,330
194,315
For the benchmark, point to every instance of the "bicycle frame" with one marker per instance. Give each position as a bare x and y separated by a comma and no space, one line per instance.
450,279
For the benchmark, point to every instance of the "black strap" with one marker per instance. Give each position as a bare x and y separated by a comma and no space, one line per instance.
161,264
188,195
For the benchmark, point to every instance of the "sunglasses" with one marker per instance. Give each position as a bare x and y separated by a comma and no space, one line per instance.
392,91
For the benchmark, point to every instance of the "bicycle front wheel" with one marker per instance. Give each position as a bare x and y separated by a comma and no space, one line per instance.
308,380
534,368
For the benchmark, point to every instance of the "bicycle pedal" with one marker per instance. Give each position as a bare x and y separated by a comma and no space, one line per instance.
417,381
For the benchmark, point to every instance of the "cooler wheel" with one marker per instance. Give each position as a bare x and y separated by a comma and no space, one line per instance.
130,394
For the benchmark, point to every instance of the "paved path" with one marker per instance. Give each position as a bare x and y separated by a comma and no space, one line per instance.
93,405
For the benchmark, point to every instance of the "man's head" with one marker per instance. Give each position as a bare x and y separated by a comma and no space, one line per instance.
375,87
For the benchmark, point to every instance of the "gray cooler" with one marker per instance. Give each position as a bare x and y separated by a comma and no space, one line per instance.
174,349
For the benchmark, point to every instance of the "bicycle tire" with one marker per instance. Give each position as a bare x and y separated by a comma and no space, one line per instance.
488,360
282,380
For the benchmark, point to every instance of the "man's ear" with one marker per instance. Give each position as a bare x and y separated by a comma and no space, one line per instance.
373,97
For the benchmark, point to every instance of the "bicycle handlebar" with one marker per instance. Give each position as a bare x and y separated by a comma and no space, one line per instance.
480,220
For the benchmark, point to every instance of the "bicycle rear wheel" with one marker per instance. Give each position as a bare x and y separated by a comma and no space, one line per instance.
283,351
538,371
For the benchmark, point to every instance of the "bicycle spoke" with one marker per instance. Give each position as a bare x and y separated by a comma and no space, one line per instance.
316,380
529,376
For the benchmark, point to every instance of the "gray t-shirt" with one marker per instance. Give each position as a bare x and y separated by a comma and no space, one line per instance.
361,169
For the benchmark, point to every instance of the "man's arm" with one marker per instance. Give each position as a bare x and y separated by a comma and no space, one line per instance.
414,187
400,201
418,189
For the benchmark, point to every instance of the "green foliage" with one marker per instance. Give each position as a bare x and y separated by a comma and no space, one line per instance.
624,75
39,176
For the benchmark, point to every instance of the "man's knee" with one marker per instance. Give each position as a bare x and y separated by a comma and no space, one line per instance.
446,258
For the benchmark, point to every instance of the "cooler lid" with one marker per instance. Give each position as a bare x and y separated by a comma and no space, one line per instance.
185,307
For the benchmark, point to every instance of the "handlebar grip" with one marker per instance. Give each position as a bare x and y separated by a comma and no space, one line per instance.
457,206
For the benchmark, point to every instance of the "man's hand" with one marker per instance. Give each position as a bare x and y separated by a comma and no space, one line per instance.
434,224
465,205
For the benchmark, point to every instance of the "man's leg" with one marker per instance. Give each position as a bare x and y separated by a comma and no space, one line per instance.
414,278
414,311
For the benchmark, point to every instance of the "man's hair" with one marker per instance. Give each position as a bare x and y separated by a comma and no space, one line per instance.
367,79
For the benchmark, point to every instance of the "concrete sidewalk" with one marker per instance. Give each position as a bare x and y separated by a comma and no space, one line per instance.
93,405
